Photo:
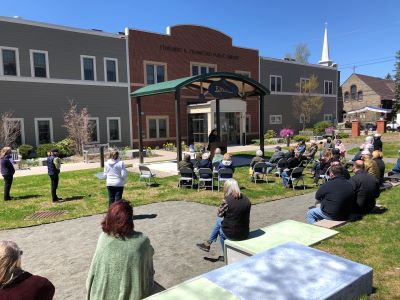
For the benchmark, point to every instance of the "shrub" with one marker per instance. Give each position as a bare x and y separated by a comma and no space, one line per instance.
319,128
25,150
286,132
269,134
65,147
297,138
342,135
44,149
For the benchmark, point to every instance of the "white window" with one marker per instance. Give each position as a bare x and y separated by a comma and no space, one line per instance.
328,117
157,127
39,63
243,73
302,117
9,61
110,69
304,85
88,67
114,129
94,130
202,68
275,83
15,127
275,119
154,72
44,131
328,87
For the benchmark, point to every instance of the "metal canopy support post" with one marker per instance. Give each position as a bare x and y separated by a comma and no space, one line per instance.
139,124
261,121
218,118
178,124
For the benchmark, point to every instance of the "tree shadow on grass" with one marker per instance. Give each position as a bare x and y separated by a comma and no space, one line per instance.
25,197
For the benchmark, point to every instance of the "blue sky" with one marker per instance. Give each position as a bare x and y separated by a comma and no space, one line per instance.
362,33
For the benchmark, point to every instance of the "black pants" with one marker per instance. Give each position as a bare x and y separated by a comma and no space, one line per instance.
7,186
54,186
114,194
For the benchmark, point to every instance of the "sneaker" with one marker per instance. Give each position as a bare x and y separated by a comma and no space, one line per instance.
204,246
221,258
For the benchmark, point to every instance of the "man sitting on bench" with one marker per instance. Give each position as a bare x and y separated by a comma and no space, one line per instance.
335,196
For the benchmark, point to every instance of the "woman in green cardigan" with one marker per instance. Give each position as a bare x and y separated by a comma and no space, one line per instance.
122,266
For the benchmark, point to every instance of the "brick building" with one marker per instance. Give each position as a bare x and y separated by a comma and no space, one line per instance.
187,50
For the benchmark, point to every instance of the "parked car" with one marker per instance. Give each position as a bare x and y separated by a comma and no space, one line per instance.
392,126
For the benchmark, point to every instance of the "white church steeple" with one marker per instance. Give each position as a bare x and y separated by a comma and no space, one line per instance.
325,60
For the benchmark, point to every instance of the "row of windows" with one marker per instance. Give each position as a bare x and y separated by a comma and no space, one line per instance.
354,94
276,85
277,119
44,130
39,60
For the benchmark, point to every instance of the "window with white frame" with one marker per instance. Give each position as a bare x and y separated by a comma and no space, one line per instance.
202,68
44,130
110,69
275,83
157,127
328,117
9,61
94,130
15,127
88,67
275,119
114,129
155,72
328,87
304,85
243,73
39,63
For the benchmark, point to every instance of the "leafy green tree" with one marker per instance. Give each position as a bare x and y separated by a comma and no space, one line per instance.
396,104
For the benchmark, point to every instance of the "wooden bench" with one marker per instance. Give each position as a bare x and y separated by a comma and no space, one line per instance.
330,223
93,150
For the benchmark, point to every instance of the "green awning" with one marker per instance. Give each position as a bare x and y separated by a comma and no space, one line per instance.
246,86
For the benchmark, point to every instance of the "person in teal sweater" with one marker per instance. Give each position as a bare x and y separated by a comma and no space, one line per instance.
122,266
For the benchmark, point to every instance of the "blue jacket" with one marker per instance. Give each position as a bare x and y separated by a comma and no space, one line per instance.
396,168
7,168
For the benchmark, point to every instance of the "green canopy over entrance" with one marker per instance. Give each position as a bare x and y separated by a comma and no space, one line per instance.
221,85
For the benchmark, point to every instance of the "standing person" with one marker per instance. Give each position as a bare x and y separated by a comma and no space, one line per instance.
53,169
212,137
233,219
15,283
122,265
116,174
7,170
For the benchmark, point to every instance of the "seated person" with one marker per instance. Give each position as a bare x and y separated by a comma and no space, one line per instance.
226,163
328,145
377,143
377,157
396,168
218,157
233,219
185,162
122,265
335,197
258,158
311,151
278,154
323,165
368,144
340,146
15,283
370,165
290,152
336,154
346,173
357,156
301,147
365,187
205,161
291,163
199,157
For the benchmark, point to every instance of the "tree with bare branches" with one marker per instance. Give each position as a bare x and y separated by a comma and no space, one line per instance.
306,105
10,130
77,124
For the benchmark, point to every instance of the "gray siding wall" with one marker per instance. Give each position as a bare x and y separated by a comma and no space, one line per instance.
282,103
44,100
64,49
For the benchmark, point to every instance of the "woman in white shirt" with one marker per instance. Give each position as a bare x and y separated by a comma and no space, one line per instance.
116,175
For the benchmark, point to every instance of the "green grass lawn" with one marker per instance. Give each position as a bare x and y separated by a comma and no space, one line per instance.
374,241
390,149
33,194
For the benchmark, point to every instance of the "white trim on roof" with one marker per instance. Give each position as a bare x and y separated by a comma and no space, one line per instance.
298,63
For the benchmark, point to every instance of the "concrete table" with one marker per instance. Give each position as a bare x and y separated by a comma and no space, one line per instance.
268,237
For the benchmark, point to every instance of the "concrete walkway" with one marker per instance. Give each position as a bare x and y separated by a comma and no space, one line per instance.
63,251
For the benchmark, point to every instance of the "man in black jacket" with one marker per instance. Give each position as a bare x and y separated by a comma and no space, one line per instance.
336,198
365,187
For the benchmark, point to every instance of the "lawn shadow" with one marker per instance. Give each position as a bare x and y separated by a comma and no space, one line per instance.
211,259
71,198
25,197
144,216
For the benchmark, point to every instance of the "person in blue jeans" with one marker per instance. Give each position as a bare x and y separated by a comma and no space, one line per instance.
290,165
233,218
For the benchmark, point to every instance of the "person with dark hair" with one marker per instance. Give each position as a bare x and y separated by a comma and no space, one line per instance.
328,145
116,174
122,265
7,171
301,146
212,138
185,162
365,187
335,198
291,163
377,142
311,151
53,170
15,283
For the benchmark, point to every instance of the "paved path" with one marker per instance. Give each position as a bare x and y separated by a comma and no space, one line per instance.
63,251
